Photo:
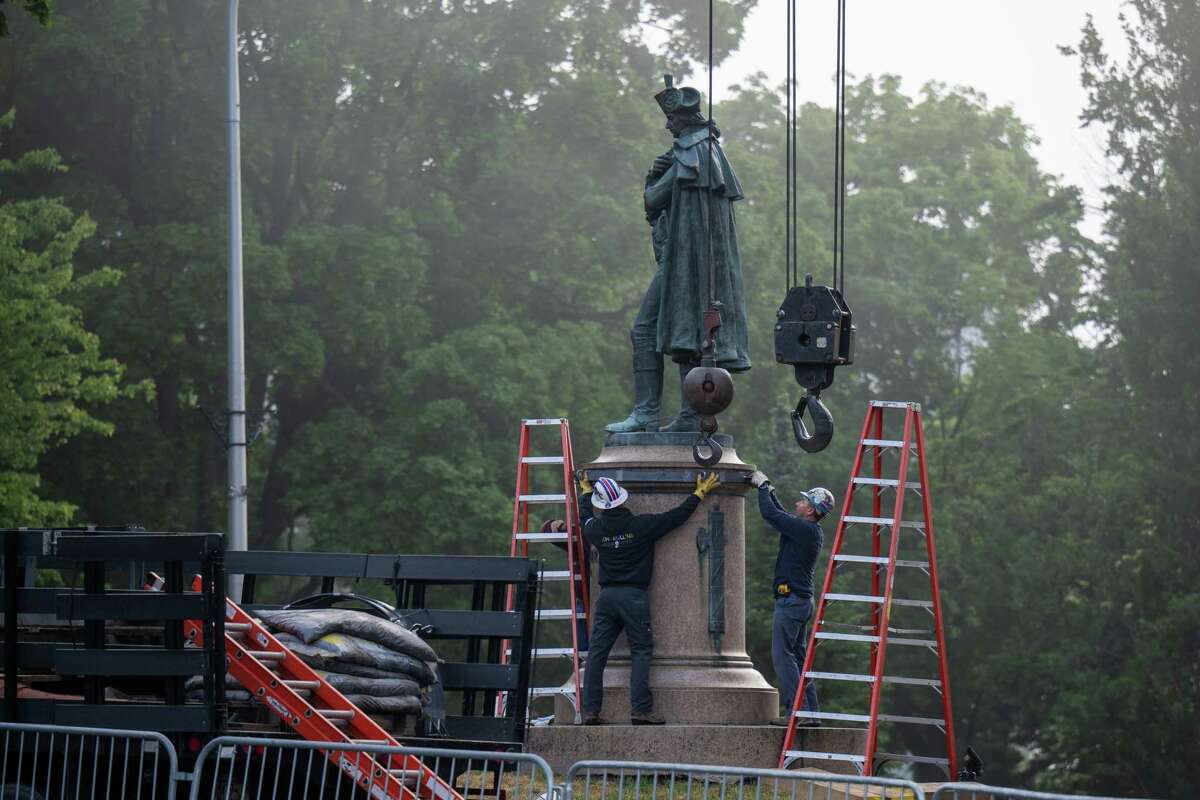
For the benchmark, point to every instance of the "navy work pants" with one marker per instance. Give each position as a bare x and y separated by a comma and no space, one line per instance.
789,637
620,608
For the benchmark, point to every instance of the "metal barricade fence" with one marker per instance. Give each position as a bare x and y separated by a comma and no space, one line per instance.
59,762
979,791
626,780
254,768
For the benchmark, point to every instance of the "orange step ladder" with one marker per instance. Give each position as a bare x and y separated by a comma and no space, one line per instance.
277,678
576,613
880,600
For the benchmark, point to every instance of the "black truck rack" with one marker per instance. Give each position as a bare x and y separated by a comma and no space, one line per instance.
429,590
98,656
94,655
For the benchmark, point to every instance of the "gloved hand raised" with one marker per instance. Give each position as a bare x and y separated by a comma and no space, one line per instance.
585,486
705,484
758,479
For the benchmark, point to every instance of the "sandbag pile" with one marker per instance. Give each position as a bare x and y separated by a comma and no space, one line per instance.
380,666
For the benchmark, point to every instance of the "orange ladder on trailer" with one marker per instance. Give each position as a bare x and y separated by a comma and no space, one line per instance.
572,538
276,677
881,598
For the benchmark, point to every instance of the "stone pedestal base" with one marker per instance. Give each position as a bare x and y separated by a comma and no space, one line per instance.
716,745
700,673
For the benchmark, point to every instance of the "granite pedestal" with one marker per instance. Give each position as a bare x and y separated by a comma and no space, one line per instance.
696,677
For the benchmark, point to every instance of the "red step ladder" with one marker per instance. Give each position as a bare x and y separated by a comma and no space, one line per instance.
883,571
522,536
277,678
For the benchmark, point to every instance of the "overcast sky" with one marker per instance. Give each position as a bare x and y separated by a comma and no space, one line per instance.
1007,49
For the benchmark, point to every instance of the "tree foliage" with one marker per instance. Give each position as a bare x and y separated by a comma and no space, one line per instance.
51,371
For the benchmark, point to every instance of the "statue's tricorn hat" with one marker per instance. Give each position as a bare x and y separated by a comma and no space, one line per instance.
677,99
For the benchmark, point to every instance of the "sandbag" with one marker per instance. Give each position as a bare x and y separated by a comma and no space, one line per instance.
337,652
376,687
311,624
351,649
404,704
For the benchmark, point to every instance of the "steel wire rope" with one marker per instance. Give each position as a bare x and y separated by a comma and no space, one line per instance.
712,267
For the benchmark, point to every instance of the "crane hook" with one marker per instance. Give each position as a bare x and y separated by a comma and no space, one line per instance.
822,420
708,426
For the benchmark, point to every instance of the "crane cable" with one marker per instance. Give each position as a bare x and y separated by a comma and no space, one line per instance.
791,251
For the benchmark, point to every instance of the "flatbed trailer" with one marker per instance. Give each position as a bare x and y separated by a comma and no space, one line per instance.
100,651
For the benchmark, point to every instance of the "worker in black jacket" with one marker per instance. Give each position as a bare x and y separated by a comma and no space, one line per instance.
800,539
625,544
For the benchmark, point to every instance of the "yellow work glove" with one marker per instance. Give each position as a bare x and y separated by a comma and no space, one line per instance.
585,486
704,484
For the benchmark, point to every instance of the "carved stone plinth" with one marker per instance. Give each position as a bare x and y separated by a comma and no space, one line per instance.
694,681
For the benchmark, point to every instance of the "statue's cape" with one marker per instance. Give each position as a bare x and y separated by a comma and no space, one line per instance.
702,186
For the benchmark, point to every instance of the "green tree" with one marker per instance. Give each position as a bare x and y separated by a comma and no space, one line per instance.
39,9
53,372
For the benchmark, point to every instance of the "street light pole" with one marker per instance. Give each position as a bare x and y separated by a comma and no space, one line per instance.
236,444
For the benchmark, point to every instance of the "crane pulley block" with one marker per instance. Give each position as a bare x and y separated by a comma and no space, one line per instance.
814,333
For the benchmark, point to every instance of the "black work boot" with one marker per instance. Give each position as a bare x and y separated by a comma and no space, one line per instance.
688,421
647,395
646,718
592,718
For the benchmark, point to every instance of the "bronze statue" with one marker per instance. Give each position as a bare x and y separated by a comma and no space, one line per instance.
689,196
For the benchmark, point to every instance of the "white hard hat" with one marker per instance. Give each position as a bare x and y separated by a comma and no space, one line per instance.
821,499
607,493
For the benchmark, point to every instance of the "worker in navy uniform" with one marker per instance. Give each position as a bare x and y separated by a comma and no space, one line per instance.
624,542
688,198
800,539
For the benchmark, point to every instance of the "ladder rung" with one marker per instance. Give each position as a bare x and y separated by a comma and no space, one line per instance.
541,498
941,762
302,684
895,404
541,537
335,713
825,756
549,421
555,652
914,642
542,460
266,655
406,776
237,627
883,442
840,676
849,637
825,623
937,721
859,637
850,676
849,520
934,682
368,741
914,603
550,691
558,613
556,574
880,560
858,598
833,715
887,482
862,559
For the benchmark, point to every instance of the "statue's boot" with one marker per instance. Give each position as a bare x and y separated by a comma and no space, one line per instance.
647,395
688,420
